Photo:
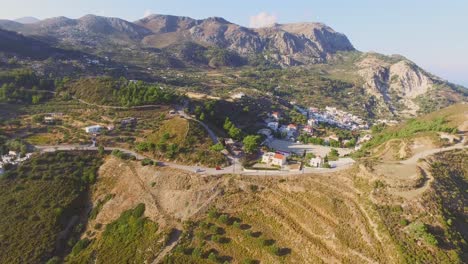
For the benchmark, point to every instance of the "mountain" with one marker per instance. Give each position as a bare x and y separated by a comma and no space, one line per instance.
393,86
88,31
289,44
16,44
27,20
403,88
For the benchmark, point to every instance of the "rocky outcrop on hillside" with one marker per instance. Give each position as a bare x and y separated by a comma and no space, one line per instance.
398,83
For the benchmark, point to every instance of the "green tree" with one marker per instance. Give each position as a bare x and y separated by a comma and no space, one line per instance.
224,218
351,143
101,150
251,143
35,99
202,117
227,124
212,257
334,143
235,132
217,147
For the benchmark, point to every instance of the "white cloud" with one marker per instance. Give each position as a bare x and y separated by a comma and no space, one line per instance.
148,12
263,19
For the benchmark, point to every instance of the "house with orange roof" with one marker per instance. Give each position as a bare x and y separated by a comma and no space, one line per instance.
274,159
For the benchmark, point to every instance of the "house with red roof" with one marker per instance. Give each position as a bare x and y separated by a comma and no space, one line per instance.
274,159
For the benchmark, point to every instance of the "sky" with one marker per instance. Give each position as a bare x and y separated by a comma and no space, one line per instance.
432,33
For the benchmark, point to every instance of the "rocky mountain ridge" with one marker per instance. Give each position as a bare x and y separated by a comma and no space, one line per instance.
289,44
399,87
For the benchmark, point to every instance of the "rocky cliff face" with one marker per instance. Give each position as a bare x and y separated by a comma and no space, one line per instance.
397,82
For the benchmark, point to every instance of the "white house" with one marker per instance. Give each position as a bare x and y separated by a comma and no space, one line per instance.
49,119
316,162
274,159
93,129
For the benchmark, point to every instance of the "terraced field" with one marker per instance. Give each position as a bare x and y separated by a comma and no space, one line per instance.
318,218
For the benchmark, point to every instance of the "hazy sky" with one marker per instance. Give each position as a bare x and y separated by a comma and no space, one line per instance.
433,33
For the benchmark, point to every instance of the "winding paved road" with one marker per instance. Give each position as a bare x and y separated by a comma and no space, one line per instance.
235,168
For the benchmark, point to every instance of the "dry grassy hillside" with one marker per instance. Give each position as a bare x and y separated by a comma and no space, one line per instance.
311,218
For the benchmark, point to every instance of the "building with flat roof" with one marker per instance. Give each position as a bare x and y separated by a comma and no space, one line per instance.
93,129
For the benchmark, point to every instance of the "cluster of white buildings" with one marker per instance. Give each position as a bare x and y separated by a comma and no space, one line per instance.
12,158
290,131
336,117
329,115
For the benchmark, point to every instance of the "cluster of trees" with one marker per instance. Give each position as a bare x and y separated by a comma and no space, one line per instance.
13,145
23,86
333,155
320,141
170,150
223,57
110,91
232,130
297,118
11,93
206,111
251,143
140,93
312,140
122,155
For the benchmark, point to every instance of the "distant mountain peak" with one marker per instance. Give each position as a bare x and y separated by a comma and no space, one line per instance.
27,20
217,20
